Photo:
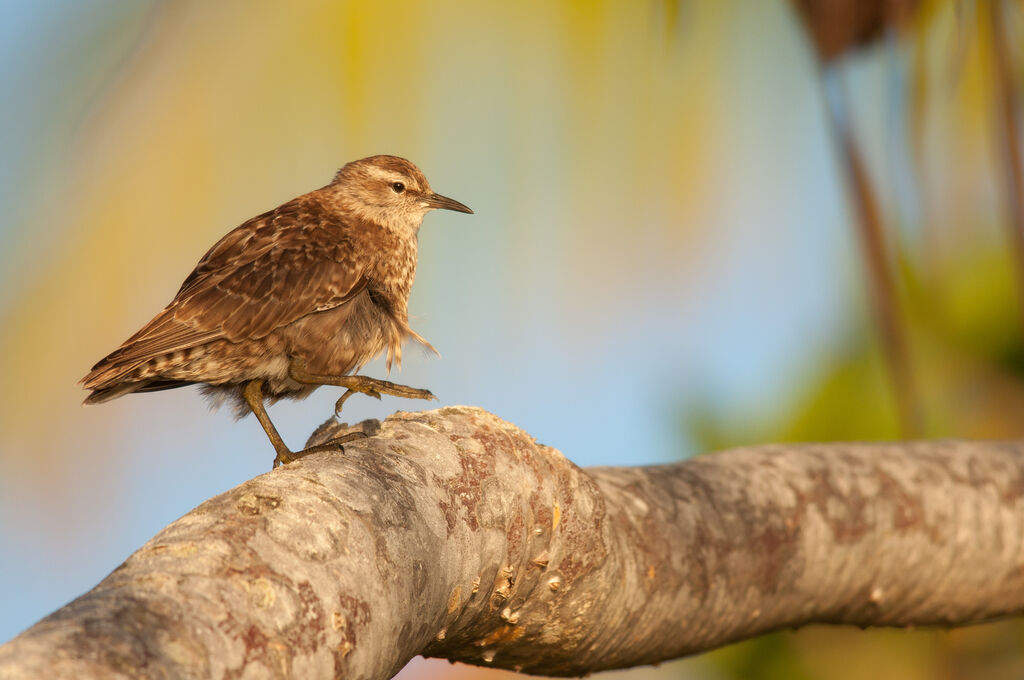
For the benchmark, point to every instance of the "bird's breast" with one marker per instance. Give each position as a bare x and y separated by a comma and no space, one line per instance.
393,277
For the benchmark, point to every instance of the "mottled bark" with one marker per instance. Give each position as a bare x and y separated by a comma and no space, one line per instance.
453,534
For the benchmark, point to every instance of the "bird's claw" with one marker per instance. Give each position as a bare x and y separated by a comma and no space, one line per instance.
335,445
369,391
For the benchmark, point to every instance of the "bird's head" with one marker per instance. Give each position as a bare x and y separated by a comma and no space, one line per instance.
390,191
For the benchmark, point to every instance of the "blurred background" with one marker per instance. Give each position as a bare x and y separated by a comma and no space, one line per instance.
698,224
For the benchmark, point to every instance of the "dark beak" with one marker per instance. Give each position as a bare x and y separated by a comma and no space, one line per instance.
445,203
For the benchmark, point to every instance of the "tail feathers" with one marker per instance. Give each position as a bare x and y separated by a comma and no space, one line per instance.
116,376
111,378
107,374
126,365
103,394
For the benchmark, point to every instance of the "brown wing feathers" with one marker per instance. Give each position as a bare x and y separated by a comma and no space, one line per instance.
268,293
270,271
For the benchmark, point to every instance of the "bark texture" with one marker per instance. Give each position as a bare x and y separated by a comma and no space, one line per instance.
452,534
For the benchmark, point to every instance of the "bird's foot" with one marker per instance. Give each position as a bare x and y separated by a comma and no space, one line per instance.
372,387
357,383
348,393
284,457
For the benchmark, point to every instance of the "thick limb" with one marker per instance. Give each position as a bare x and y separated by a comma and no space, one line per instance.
357,383
253,394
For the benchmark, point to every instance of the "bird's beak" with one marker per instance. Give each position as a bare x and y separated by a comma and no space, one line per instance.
445,203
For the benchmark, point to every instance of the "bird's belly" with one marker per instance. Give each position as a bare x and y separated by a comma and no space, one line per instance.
340,340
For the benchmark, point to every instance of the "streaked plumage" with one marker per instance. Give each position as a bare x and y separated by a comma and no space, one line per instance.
323,280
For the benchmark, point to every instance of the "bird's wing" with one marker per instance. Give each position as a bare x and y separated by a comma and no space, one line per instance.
270,271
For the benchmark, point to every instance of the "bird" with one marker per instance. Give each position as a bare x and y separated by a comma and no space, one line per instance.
301,296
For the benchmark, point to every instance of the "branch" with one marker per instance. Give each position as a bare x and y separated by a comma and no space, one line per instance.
453,534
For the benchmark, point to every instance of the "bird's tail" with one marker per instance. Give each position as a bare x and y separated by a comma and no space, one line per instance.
102,394
98,396
111,378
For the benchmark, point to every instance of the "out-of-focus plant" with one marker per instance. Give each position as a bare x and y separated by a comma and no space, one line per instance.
837,27
953,313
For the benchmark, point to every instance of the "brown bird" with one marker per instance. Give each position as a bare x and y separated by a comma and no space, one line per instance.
298,297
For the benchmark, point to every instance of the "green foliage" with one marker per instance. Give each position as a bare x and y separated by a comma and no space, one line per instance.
769,657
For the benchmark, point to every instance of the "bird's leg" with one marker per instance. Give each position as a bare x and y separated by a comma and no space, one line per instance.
371,387
253,394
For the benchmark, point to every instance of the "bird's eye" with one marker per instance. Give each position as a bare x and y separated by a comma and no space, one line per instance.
397,187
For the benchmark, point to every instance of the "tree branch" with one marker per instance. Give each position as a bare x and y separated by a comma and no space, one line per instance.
453,534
